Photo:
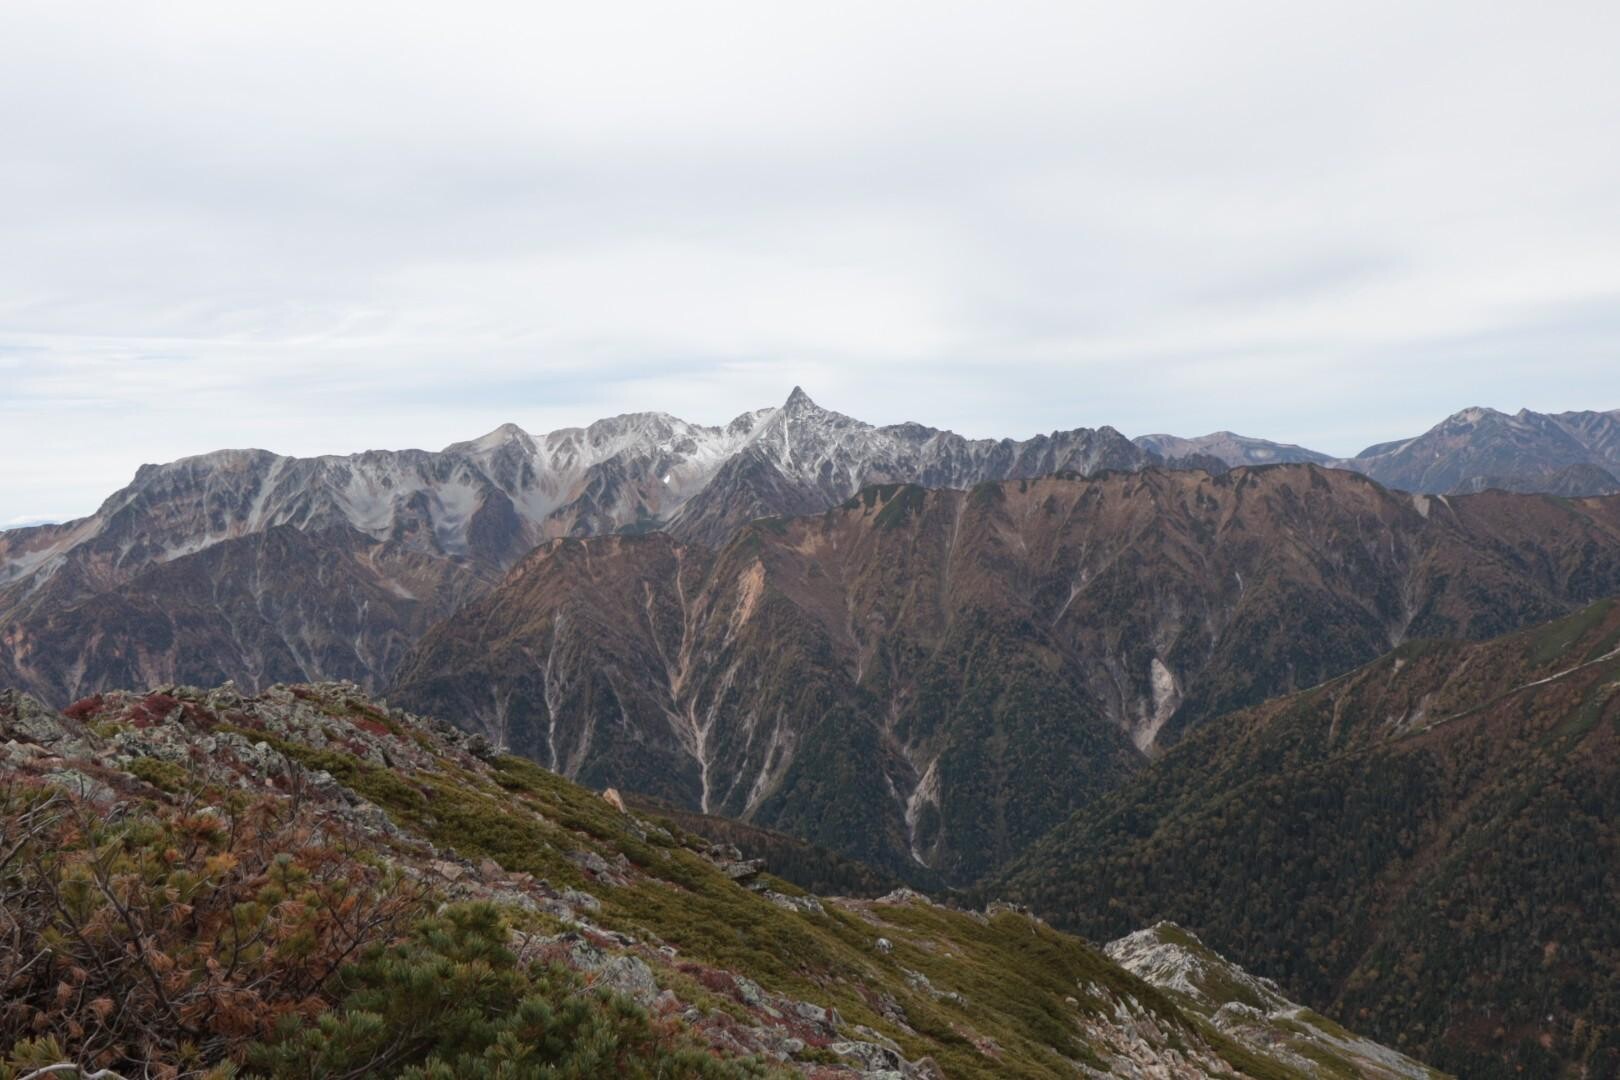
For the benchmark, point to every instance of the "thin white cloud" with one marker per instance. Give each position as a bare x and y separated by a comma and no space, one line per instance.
324,227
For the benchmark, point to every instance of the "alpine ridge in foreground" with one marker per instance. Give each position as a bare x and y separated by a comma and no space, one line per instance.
304,883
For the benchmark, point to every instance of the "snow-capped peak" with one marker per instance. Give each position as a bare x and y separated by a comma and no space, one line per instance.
518,489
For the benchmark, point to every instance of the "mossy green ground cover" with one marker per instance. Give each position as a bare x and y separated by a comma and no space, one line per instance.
1019,986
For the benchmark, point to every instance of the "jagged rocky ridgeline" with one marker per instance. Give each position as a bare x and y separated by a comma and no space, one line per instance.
157,812
493,498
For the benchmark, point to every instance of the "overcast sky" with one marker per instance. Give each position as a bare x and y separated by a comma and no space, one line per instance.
331,226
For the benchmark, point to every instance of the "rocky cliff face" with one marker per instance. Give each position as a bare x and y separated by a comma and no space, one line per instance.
492,499
804,458
935,677
488,500
1175,961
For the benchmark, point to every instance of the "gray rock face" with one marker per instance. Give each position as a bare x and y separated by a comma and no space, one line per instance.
491,499
803,458
24,720
1251,1009
631,977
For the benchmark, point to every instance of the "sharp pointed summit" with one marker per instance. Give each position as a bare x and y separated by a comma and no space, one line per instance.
800,404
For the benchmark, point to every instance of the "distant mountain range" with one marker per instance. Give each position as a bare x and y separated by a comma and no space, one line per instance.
1572,453
251,566
493,498
1232,450
247,565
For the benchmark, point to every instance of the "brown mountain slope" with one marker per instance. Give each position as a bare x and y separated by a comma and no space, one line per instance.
1426,847
935,677
278,605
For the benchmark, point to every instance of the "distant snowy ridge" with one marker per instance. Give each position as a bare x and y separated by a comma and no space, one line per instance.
492,498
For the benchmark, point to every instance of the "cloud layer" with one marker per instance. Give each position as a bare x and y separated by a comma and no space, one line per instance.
324,227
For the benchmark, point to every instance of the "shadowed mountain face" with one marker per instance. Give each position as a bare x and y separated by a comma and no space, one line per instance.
259,609
1571,481
177,572
1574,453
1425,845
935,677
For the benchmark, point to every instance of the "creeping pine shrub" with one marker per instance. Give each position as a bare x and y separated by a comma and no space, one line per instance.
253,940
157,939
453,1003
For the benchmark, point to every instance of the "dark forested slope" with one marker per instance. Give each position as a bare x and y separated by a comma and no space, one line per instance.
1428,847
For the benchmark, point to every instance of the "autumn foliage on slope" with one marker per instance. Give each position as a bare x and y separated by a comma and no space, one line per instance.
171,939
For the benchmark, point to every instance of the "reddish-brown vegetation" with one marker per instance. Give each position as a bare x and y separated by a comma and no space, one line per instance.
172,932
